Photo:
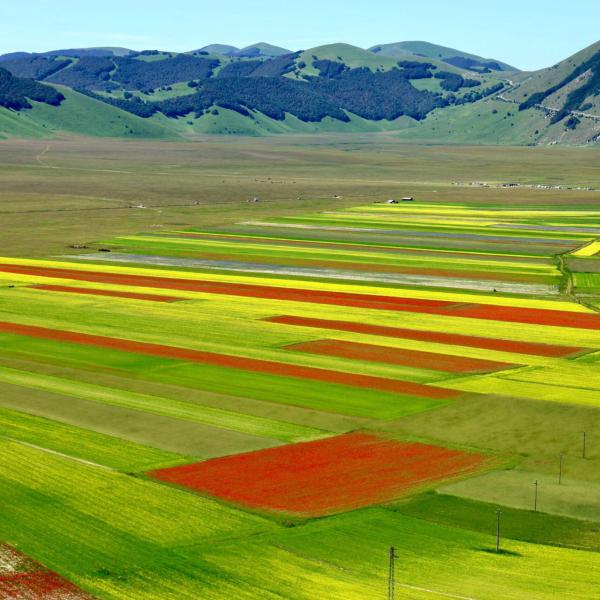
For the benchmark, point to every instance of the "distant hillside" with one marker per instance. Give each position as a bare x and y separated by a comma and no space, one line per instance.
567,94
261,49
457,58
330,88
335,81
78,114
349,55
223,49
14,56
72,52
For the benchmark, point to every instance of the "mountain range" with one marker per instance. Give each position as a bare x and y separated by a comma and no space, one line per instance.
417,90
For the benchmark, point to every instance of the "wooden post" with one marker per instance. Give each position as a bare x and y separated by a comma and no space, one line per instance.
560,468
498,513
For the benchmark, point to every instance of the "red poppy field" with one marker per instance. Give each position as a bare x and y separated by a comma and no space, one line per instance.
399,356
109,293
22,578
318,478
454,339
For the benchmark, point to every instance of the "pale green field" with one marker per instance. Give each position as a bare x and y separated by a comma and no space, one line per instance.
570,498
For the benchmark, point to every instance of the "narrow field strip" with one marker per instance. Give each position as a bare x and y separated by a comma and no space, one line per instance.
511,314
167,407
382,227
576,374
486,230
235,362
453,339
83,461
399,356
360,247
233,289
426,277
590,249
291,248
326,476
110,293
173,275
556,318
423,208
369,258
509,386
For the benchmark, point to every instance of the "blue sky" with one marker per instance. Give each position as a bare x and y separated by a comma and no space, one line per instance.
527,33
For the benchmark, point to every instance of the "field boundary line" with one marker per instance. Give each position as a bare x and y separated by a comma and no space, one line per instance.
437,593
511,377
89,463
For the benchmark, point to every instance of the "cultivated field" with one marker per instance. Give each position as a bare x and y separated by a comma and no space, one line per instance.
256,400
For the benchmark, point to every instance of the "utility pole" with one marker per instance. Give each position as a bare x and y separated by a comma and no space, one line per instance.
535,498
392,574
584,440
498,513
560,468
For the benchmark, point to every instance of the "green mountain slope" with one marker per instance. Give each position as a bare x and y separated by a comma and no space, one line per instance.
223,121
402,50
223,49
78,114
489,121
337,81
543,79
73,52
330,88
263,49
14,124
355,58
567,93
351,56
